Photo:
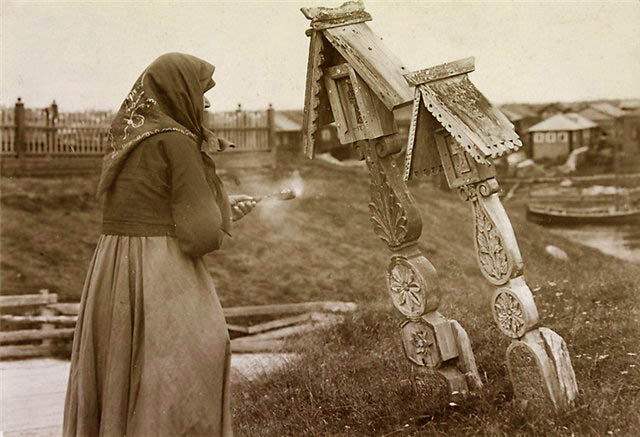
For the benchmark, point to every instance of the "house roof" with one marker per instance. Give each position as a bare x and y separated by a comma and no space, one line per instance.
608,109
519,108
596,116
511,115
285,124
630,104
563,122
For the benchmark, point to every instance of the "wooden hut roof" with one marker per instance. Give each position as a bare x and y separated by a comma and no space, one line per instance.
462,110
344,30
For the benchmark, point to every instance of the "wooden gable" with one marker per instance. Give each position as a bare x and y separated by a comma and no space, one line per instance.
340,36
446,100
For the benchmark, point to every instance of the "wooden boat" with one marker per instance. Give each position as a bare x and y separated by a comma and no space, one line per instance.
606,205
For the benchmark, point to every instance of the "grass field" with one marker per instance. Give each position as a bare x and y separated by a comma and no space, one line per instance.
354,380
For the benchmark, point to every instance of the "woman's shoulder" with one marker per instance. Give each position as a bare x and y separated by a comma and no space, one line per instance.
170,138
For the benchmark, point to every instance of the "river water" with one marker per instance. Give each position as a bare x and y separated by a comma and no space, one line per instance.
622,241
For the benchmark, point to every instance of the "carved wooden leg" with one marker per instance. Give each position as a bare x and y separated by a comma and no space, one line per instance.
429,339
514,309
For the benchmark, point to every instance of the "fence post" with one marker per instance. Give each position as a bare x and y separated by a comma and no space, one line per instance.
46,311
19,121
54,128
272,133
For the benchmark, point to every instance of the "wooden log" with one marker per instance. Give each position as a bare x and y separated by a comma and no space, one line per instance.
27,300
35,334
259,310
23,351
240,345
278,323
237,328
285,332
66,308
39,319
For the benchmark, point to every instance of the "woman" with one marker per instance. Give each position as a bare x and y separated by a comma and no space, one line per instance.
151,352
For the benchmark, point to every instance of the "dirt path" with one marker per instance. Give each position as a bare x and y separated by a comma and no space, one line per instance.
32,391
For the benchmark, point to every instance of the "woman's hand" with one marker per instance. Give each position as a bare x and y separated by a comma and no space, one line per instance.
241,205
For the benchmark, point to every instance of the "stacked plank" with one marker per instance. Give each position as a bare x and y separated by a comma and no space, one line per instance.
277,325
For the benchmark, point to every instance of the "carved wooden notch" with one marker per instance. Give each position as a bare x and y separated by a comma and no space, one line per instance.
454,127
352,78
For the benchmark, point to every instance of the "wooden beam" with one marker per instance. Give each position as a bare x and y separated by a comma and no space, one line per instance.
338,71
284,332
27,300
66,308
291,308
38,319
35,334
23,351
238,328
239,345
442,71
278,323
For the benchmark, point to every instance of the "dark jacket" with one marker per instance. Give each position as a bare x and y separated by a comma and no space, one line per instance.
162,189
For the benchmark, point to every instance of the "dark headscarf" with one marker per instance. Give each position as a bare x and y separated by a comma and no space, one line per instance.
167,97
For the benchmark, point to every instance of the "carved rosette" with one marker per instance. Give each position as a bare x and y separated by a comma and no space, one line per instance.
514,310
406,288
419,342
509,315
388,216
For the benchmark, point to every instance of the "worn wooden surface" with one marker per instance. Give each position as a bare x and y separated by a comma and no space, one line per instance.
376,64
443,71
466,113
27,300
32,391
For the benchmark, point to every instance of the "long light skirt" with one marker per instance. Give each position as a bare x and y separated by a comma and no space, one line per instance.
151,353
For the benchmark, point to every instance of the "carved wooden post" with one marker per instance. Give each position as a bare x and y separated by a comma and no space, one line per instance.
455,128
354,80
429,339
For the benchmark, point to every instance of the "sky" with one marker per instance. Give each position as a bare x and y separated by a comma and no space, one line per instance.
87,55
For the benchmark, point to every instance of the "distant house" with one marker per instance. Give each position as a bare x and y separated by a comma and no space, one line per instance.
552,109
609,125
522,118
288,130
631,132
555,137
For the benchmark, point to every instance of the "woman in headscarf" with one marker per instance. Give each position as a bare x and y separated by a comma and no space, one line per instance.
151,352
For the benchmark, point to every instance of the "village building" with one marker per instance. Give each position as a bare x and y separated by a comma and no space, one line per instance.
288,129
555,137
522,118
608,118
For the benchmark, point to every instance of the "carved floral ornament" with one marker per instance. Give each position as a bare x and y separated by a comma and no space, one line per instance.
406,289
509,314
491,253
419,343
388,216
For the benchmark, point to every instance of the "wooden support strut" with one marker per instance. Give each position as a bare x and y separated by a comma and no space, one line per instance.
538,361
429,339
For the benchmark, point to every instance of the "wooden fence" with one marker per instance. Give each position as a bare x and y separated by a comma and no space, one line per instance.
44,140
50,325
